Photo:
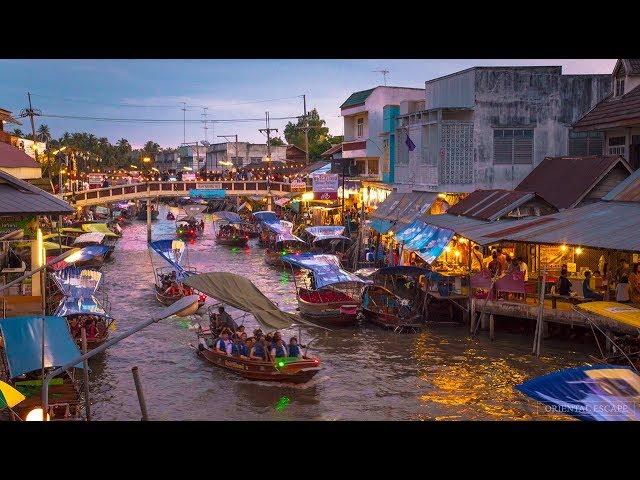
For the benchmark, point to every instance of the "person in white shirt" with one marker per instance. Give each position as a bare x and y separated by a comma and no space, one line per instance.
523,268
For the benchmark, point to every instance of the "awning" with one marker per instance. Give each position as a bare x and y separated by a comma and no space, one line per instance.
470,228
193,210
80,306
231,217
266,216
77,282
436,245
100,228
380,226
600,392
401,209
328,232
171,251
326,269
288,237
93,237
82,255
241,293
281,202
388,206
23,338
420,203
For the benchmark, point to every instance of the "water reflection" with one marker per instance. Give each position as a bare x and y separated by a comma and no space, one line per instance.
442,373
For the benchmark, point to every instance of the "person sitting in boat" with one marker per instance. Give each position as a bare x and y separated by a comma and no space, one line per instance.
278,349
221,343
294,348
239,347
174,290
226,319
91,329
240,331
259,350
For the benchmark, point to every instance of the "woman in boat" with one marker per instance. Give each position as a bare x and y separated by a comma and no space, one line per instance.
239,347
278,349
221,344
91,329
259,350
294,348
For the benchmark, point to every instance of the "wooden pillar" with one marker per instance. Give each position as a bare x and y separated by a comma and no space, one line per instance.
483,321
472,322
149,220
491,326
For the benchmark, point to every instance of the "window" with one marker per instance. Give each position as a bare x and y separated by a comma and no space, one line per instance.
616,145
585,143
360,128
373,166
619,87
513,146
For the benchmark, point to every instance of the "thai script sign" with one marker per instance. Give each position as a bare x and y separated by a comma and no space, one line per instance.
208,185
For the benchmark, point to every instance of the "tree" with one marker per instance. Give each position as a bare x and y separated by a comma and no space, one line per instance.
18,133
44,133
319,137
151,149
276,142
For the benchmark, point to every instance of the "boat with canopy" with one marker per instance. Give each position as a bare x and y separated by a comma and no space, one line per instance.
280,242
593,393
92,256
327,294
395,300
241,293
142,211
169,280
328,239
80,306
22,349
231,229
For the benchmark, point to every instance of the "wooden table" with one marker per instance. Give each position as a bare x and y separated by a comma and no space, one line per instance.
573,300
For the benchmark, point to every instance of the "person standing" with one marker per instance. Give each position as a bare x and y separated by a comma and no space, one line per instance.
634,284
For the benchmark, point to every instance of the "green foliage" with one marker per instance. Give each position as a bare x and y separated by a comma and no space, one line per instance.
320,139
276,142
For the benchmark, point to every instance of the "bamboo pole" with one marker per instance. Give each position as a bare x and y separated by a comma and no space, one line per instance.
143,403
85,373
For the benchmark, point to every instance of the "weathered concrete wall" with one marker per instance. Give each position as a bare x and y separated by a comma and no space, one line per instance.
528,97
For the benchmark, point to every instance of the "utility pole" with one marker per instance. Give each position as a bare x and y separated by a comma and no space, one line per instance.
306,130
31,112
384,73
204,114
184,122
268,132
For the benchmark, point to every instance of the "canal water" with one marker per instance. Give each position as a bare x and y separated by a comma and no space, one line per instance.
443,373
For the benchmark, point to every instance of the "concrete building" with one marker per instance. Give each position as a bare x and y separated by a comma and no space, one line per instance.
366,141
241,154
488,127
612,127
168,160
192,156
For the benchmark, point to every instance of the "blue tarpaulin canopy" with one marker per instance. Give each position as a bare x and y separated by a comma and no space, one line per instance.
328,232
326,269
23,343
280,227
288,237
600,392
80,306
380,226
72,283
410,231
427,241
436,245
84,254
231,217
266,216
207,193
166,249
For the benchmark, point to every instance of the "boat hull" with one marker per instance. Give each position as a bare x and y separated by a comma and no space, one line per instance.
232,242
296,372
167,300
390,321
341,313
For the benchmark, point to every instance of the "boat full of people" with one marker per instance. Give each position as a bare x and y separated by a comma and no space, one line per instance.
327,294
230,229
225,344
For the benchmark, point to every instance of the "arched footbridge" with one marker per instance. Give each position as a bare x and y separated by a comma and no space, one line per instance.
139,191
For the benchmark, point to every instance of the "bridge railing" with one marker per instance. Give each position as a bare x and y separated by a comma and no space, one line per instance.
157,188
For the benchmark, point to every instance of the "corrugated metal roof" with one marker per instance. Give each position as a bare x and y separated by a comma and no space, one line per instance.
419,205
609,225
18,197
12,157
357,98
470,228
490,204
403,208
626,191
634,63
332,150
564,181
611,112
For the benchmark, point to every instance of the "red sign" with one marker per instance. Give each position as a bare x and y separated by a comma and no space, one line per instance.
326,196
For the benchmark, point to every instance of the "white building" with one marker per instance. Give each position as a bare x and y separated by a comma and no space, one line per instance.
366,139
241,154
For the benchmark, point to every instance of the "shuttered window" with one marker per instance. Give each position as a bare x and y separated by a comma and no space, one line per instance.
585,143
513,145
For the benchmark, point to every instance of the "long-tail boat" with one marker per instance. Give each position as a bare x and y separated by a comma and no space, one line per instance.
230,231
241,293
327,294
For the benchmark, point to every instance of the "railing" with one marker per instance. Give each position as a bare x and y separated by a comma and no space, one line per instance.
152,189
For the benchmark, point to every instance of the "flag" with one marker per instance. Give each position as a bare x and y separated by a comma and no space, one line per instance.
410,145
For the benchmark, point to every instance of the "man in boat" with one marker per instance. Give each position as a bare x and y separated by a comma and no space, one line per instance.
226,319
259,349
294,348
223,342
239,347
278,349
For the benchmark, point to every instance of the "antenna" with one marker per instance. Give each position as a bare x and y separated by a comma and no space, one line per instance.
384,73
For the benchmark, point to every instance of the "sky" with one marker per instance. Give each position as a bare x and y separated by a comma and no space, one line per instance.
230,89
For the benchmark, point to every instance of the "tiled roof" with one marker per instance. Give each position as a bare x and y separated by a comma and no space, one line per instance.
357,98
626,191
332,150
612,112
564,181
490,204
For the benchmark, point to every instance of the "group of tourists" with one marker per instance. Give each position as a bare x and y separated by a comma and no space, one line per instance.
231,339
500,264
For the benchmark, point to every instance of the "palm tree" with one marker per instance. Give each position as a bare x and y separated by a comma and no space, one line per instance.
44,133
18,133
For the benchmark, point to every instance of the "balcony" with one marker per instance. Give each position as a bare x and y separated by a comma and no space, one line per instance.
354,148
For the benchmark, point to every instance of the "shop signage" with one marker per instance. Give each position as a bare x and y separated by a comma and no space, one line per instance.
326,183
188,176
208,185
202,193
298,186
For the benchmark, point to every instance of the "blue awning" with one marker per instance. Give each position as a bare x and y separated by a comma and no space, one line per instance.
207,193
328,232
326,269
80,306
231,217
83,255
436,245
23,343
380,226
422,238
601,392
410,231
288,237
266,216
165,248
72,284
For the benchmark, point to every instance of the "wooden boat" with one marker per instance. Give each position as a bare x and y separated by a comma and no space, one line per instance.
285,370
327,294
65,398
231,235
101,335
168,295
388,303
171,216
142,214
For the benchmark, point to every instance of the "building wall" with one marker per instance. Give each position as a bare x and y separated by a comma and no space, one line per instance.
23,173
246,153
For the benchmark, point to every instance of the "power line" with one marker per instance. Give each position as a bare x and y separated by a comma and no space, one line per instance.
161,120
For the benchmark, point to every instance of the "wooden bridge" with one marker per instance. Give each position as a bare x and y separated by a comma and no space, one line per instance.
117,193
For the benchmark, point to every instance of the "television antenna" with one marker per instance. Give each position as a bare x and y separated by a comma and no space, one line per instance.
384,73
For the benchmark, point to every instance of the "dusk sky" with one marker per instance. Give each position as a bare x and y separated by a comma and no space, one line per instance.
231,89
